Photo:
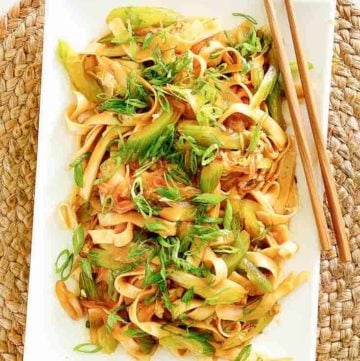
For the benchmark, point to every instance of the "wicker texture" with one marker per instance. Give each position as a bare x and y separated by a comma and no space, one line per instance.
20,69
339,302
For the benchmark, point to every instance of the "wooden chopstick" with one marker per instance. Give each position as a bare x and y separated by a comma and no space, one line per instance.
330,189
299,129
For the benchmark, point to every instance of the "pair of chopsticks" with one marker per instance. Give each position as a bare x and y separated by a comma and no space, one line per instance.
299,130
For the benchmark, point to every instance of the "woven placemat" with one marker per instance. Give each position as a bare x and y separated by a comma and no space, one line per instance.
21,33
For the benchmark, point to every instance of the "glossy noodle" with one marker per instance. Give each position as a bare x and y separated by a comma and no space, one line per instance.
184,186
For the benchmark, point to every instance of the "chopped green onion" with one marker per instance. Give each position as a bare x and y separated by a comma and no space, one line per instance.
87,348
207,232
265,87
112,320
86,267
107,204
78,239
257,71
188,295
154,140
210,154
64,266
241,243
247,17
208,198
79,175
123,106
295,69
155,226
178,175
244,354
135,333
77,164
141,204
86,281
274,103
112,292
255,137
170,192
228,216
80,159
163,100
210,177
164,73
149,37
208,114
256,276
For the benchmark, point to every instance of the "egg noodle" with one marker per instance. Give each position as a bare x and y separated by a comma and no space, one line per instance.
184,186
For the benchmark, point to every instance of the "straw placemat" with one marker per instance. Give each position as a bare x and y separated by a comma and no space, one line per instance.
21,33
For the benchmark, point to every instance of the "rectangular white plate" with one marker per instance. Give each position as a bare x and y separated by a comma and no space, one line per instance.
50,334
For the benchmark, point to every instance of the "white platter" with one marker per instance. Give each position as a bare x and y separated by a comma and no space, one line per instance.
50,334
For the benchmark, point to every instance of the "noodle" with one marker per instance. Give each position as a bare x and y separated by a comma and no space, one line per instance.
184,186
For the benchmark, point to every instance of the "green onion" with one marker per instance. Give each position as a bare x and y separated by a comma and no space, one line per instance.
295,69
78,239
123,106
210,177
112,292
162,98
197,345
155,226
86,267
135,333
170,192
241,243
141,204
144,340
64,263
255,137
136,97
77,164
247,17
112,320
206,136
107,204
80,159
153,140
228,216
266,86
208,198
255,276
178,175
208,114
86,281
207,232
213,220
87,348
210,154
244,354
251,45
183,264
257,71
149,37
274,103
79,175
105,258
188,295
164,73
